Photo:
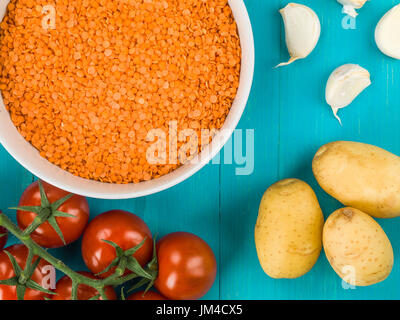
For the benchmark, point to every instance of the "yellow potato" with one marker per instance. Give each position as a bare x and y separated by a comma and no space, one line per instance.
288,232
361,176
357,247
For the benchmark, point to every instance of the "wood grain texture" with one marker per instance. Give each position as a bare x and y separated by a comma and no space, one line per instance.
291,120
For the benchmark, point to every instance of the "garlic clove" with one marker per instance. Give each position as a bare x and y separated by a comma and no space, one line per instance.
387,33
349,6
344,85
302,31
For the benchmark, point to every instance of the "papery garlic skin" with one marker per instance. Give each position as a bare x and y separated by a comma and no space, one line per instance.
302,30
387,33
344,85
349,6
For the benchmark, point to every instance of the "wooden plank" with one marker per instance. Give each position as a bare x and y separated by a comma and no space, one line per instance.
14,179
240,195
295,118
291,120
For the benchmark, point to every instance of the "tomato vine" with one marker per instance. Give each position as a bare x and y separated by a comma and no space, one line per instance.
48,217
22,278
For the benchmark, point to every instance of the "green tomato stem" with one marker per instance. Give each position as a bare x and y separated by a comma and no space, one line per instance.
39,220
97,284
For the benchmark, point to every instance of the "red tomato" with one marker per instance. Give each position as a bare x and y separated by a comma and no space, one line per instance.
71,227
64,288
20,252
150,295
121,227
187,266
3,237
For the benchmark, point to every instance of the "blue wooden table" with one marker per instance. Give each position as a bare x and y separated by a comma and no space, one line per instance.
291,120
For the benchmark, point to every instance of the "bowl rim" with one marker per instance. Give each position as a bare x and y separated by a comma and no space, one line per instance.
22,151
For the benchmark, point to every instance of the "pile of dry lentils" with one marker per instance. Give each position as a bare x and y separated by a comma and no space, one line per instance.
86,91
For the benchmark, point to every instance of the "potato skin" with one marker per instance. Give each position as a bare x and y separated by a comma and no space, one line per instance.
288,232
361,176
354,241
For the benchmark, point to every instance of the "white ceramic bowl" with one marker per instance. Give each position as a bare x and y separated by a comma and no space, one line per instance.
29,157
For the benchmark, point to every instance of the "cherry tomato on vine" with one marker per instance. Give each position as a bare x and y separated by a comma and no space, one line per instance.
20,252
64,289
186,266
149,295
3,236
71,227
123,229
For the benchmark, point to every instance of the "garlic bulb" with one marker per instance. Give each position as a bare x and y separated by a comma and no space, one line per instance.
349,6
344,85
302,30
387,33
